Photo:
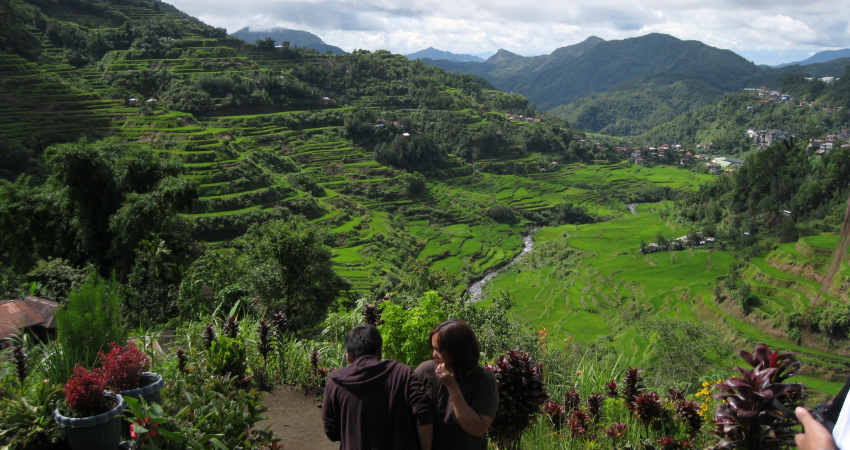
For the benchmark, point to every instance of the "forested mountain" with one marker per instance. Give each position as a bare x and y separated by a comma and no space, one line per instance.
571,73
294,37
433,53
820,57
639,104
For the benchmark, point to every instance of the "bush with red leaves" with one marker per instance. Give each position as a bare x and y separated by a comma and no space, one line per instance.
556,413
612,388
594,406
616,431
647,407
521,396
571,401
689,412
676,394
670,443
85,392
123,366
579,423
632,384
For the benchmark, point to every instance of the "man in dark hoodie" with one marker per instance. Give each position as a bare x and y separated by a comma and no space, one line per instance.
374,404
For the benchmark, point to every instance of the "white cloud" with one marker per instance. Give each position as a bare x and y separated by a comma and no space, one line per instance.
475,26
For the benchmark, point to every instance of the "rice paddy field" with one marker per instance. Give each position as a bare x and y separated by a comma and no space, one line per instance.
611,276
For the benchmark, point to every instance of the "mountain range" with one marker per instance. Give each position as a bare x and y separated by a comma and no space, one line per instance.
433,53
820,57
294,37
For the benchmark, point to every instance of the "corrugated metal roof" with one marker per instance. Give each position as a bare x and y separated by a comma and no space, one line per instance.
15,314
44,308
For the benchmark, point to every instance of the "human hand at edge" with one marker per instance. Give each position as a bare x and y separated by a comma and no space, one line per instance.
814,436
445,375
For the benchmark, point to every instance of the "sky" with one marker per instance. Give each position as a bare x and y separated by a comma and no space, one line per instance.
763,31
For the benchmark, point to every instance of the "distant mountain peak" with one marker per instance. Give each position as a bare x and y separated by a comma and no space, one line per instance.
820,57
435,54
294,37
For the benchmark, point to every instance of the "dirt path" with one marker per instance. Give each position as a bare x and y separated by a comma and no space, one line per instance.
296,419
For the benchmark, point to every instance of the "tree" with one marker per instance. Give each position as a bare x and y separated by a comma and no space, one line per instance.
291,270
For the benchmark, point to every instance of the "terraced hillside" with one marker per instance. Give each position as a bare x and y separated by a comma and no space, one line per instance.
603,285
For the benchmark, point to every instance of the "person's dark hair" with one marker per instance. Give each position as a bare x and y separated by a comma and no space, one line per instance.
456,338
363,340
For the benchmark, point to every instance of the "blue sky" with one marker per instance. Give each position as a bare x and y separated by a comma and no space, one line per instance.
764,31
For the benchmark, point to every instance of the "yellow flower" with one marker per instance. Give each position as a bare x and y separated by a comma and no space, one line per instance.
705,384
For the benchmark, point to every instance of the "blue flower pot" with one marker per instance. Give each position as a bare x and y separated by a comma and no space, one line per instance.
100,432
151,392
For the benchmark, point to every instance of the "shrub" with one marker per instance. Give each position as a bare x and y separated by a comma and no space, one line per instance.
226,356
579,423
572,400
90,321
406,331
594,406
123,366
85,393
647,407
689,411
632,384
556,413
521,395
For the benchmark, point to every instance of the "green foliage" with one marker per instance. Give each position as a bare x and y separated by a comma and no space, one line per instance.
90,321
28,418
226,356
290,269
214,281
639,104
406,328
683,349
55,278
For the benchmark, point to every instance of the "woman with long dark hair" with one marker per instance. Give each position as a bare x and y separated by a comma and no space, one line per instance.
465,394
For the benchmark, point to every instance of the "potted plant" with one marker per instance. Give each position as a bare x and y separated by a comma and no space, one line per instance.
90,415
125,368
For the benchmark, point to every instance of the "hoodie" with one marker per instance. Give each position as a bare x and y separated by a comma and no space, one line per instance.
373,404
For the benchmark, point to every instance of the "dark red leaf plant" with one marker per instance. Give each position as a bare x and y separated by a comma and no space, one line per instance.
522,394
748,417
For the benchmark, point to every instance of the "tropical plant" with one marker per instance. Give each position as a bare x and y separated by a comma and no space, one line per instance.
147,423
27,421
522,393
748,416
631,384
226,356
647,407
594,406
555,411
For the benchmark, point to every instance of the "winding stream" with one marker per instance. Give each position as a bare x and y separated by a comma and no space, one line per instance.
477,288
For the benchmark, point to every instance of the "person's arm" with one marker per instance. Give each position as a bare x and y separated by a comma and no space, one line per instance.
329,416
426,434
471,422
421,407
815,435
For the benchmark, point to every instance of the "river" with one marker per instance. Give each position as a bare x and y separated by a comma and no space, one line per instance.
477,288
